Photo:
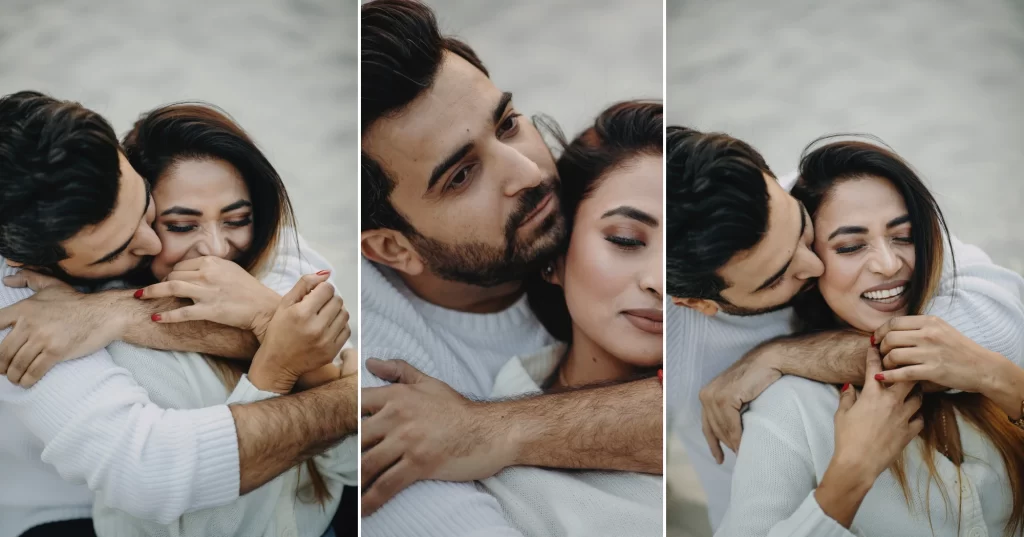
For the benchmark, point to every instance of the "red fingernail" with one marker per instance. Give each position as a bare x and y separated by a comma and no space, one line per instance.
872,340
845,387
661,376
138,294
156,317
879,377
323,272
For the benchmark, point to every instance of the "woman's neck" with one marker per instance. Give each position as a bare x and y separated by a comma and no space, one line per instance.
588,363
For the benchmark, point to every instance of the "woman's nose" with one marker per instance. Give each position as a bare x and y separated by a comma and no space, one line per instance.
884,261
214,244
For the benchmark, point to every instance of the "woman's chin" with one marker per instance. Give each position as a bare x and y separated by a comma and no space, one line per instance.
871,319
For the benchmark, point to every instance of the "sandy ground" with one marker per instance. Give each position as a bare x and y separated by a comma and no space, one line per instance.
285,69
939,81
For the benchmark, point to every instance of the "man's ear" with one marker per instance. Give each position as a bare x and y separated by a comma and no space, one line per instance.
707,307
391,248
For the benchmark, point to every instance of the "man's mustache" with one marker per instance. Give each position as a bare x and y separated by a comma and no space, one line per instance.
528,202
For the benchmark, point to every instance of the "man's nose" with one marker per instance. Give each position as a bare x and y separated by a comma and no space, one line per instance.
145,242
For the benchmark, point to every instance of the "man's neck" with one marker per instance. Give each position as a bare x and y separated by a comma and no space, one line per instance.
589,363
462,296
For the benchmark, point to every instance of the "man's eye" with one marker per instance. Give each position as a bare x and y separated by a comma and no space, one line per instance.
510,124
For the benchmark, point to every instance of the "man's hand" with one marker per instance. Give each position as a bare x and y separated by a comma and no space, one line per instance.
306,333
222,292
420,428
723,398
55,324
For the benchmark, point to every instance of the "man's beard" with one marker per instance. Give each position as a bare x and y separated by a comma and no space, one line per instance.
484,265
739,311
139,276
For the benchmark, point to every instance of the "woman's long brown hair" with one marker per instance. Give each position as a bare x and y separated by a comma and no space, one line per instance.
169,135
838,161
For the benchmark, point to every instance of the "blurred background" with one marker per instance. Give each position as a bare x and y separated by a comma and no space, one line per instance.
564,58
939,81
284,69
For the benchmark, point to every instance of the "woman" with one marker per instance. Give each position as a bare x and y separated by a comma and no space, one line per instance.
604,302
222,212
892,459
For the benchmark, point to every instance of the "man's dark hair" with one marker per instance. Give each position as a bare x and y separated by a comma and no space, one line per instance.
717,205
59,173
400,54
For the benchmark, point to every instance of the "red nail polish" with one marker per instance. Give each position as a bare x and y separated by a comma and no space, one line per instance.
138,294
872,340
156,317
661,376
879,377
323,273
845,387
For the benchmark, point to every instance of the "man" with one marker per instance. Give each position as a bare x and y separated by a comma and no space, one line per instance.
72,207
460,203
739,250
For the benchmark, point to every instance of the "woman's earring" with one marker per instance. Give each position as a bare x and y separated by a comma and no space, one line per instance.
549,271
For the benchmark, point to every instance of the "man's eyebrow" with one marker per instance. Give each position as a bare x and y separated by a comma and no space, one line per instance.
803,227
634,213
502,105
452,160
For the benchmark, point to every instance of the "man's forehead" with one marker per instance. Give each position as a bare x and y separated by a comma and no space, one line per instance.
442,119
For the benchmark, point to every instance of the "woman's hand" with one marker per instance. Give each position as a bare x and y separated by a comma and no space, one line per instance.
222,291
872,430
924,348
306,332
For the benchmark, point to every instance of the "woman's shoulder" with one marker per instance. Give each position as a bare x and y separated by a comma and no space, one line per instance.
793,399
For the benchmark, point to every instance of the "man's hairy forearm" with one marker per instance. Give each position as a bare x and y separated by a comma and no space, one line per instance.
277,434
616,427
191,336
832,357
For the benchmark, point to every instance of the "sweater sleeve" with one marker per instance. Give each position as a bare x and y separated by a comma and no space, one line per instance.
427,508
774,479
983,301
98,426
180,381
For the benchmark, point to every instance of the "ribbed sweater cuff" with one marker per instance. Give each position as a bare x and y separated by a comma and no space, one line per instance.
217,474
811,521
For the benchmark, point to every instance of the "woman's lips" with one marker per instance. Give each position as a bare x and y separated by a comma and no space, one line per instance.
648,320
887,297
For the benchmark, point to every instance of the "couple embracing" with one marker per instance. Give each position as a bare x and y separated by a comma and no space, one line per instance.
511,302
119,417
898,410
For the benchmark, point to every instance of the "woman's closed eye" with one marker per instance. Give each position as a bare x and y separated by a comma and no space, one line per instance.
625,243
186,228
851,248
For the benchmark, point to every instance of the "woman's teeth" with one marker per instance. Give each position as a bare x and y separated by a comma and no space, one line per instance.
888,295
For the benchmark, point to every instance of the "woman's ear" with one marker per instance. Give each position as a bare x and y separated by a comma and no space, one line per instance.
391,249
707,307
554,273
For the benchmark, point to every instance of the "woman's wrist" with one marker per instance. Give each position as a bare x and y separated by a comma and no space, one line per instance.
843,487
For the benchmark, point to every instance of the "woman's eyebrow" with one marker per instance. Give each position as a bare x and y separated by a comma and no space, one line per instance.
634,213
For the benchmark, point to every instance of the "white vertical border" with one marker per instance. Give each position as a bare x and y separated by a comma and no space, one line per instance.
666,303
359,269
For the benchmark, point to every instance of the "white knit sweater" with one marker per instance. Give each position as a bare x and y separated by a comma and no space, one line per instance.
185,381
788,441
89,426
552,503
985,305
464,350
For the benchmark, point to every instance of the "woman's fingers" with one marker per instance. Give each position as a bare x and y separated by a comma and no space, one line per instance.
872,367
910,374
902,357
185,275
175,288
896,340
197,312
847,397
907,322
901,390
